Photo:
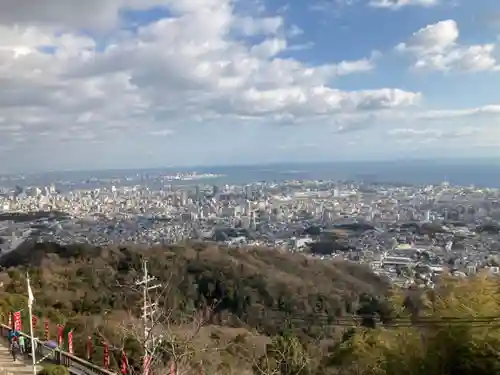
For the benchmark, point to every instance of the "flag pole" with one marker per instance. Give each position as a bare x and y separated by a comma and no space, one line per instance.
30,308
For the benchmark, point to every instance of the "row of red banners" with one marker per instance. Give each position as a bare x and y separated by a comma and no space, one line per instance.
16,324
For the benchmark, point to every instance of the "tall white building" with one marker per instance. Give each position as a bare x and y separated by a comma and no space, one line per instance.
427,215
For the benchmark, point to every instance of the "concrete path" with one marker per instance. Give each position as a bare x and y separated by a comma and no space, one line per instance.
21,366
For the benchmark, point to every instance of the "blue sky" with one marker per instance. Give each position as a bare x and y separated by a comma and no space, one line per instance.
149,83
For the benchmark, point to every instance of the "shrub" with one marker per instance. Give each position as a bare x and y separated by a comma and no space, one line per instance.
53,370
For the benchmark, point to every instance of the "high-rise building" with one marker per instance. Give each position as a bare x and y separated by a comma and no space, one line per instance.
248,192
215,191
183,197
336,192
248,208
253,223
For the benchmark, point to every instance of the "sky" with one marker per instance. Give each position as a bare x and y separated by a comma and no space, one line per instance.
100,84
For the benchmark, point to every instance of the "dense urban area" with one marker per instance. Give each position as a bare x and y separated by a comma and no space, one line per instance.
408,233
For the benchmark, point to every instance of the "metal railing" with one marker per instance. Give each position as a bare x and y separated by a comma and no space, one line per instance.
45,353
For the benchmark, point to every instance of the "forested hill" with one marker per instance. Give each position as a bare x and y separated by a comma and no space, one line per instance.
274,313
260,289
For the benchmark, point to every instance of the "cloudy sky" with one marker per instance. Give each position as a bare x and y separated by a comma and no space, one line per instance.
145,83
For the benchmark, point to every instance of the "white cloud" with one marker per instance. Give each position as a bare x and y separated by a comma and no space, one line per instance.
177,70
488,110
161,133
70,14
263,26
268,48
436,47
431,133
204,66
466,140
294,31
397,4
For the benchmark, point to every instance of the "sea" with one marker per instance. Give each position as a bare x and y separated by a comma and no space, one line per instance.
480,173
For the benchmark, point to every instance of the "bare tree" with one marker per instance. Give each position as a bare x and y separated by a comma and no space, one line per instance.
279,355
171,335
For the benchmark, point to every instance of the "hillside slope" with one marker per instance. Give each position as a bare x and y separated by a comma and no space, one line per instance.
259,288
271,312
262,292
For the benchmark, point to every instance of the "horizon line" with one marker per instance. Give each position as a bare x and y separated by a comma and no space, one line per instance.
268,164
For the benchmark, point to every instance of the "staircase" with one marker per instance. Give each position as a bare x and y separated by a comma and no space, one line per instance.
21,366
45,353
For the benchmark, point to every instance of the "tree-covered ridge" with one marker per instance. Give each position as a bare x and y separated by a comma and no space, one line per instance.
258,287
259,291
455,330
257,311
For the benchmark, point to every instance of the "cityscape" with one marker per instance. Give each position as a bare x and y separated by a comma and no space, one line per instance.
409,233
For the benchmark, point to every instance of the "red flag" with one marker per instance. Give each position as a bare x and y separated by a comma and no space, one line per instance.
88,348
46,330
105,357
123,363
59,335
172,368
33,322
16,317
70,342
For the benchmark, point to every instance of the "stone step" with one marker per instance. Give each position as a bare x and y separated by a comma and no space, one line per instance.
21,366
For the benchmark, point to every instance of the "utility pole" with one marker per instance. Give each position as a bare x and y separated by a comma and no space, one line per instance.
148,313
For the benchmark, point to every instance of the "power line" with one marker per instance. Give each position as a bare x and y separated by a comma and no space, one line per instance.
427,320
403,324
325,320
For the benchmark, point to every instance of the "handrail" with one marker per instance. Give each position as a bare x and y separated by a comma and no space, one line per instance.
62,357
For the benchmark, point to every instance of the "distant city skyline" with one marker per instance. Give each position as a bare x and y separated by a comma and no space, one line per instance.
105,84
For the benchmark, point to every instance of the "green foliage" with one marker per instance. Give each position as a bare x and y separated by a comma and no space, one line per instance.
285,355
270,310
53,370
88,289
263,289
455,333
